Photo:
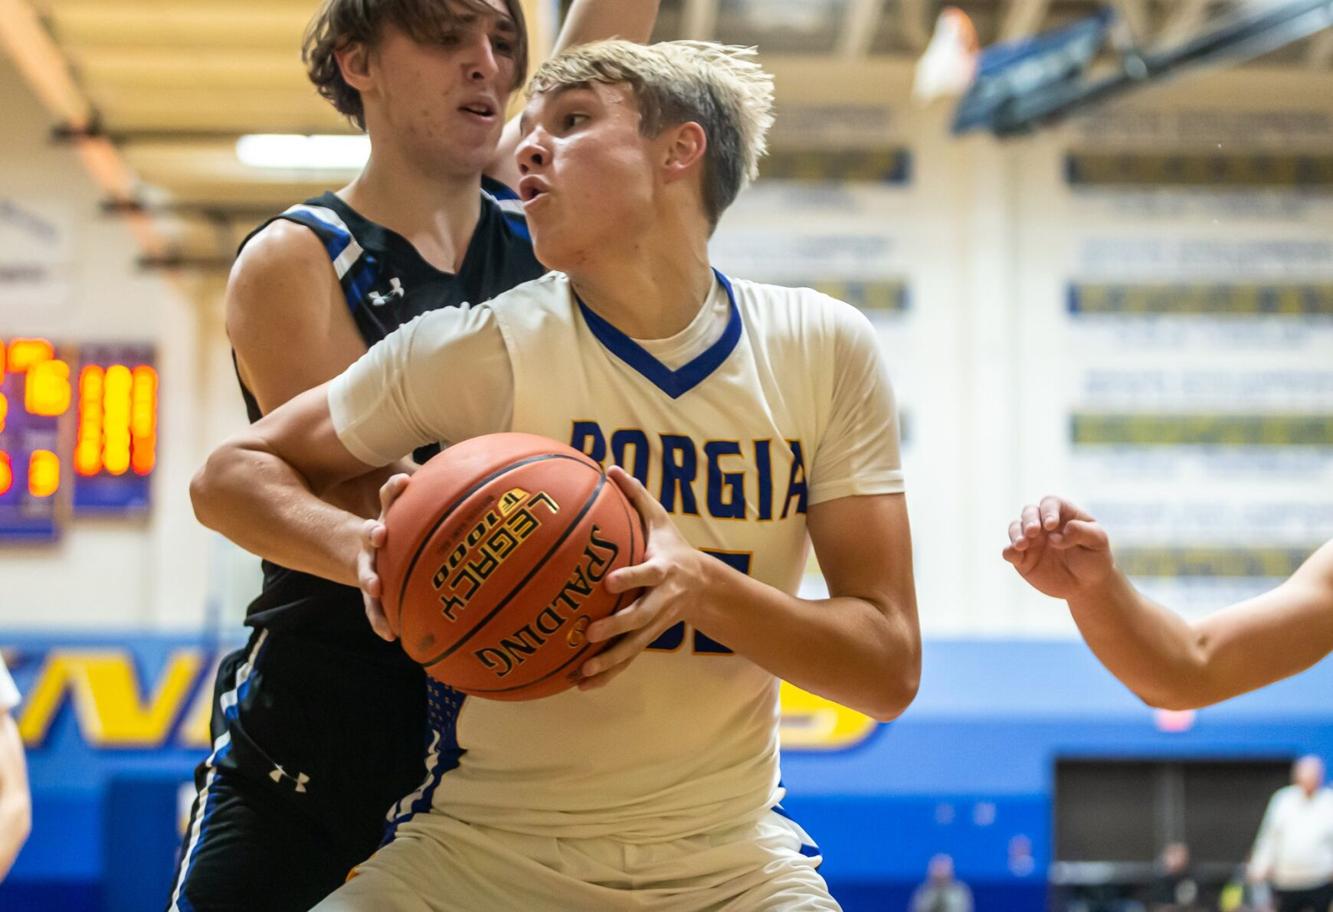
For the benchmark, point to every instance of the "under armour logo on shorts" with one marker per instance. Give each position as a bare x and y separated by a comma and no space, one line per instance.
299,780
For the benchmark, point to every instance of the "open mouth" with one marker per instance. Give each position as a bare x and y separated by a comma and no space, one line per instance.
479,108
529,188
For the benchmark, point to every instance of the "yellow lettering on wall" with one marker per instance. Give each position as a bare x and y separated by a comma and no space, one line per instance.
814,723
194,730
104,689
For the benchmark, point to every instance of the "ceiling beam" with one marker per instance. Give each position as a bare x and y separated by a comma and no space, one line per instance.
859,24
184,136
700,19
44,68
211,211
41,63
1023,18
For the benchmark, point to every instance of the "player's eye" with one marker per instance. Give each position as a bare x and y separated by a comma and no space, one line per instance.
503,46
572,120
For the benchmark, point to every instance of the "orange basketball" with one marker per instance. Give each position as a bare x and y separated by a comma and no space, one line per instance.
493,564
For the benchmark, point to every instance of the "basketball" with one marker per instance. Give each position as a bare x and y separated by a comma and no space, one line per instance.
493,564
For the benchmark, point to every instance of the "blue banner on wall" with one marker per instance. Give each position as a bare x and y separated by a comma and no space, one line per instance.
114,726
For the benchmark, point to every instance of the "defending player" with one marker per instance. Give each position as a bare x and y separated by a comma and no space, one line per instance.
756,415
317,726
1169,662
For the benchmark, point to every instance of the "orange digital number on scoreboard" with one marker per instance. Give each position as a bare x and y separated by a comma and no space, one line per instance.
112,403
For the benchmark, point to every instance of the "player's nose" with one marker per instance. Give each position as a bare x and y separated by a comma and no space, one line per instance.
532,152
482,62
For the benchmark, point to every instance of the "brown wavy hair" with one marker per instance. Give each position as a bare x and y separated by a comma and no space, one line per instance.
339,23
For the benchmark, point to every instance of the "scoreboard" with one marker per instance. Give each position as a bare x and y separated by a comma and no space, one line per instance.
78,433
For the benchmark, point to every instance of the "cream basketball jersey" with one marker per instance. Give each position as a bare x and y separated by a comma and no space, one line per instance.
785,406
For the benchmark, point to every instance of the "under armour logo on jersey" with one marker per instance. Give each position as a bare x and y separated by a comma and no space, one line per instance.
395,291
299,780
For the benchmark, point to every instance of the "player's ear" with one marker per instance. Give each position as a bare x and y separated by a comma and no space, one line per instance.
354,62
684,148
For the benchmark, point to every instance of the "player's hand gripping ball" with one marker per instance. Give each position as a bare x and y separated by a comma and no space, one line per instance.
493,562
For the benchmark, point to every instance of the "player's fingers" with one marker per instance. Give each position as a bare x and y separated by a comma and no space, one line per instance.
603,679
1012,555
1070,511
366,577
370,597
378,622
1016,538
1080,533
372,534
1031,521
638,495
646,575
635,615
622,651
1050,510
391,490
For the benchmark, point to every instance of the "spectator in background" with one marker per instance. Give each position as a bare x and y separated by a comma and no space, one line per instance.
1294,849
15,803
1174,889
940,892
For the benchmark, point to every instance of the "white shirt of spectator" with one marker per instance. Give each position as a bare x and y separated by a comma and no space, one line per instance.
1295,841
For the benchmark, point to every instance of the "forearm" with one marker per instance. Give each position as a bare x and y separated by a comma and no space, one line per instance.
15,799
1153,651
15,823
268,508
591,20
846,649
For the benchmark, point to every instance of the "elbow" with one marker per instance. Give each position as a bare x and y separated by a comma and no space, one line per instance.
22,820
200,486
16,817
1182,685
1171,699
897,691
205,486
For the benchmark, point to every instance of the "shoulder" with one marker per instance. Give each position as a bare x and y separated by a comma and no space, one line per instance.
281,245
803,312
546,292
285,262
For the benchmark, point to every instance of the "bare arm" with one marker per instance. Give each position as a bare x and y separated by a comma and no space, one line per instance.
290,327
1164,659
587,20
262,489
860,647
15,801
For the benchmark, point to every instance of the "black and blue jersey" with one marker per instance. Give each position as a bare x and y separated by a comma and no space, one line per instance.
386,283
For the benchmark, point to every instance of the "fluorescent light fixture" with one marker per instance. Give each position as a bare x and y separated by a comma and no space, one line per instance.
293,150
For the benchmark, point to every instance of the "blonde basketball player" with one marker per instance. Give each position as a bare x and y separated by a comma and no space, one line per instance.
1167,661
755,415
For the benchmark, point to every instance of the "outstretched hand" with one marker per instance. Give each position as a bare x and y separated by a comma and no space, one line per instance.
673,579
1059,549
373,534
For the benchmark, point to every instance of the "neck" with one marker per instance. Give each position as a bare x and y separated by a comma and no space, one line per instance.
436,213
647,291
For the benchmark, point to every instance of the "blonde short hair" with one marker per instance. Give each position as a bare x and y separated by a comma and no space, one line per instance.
718,86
